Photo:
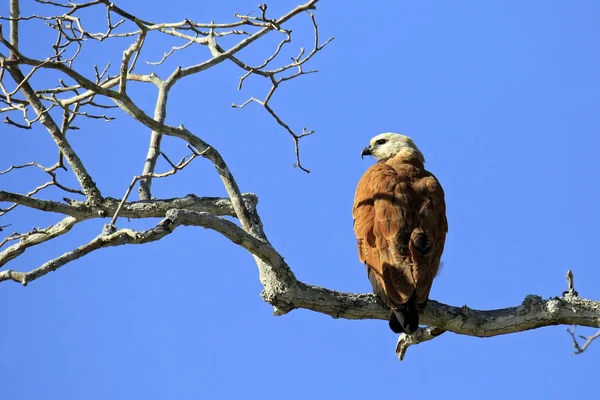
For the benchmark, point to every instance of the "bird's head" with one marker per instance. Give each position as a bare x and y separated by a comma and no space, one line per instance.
387,145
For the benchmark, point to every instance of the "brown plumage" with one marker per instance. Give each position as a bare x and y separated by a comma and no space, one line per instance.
400,224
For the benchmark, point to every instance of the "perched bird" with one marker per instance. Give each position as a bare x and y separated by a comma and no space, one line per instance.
400,224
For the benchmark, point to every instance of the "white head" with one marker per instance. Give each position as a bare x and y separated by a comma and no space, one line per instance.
387,145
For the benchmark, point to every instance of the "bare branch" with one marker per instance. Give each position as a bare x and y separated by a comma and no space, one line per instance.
38,189
137,209
160,113
126,68
244,43
588,340
34,237
124,236
173,50
218,56
173,219
50,171
15,13
531,314
297,62
84,178
9,121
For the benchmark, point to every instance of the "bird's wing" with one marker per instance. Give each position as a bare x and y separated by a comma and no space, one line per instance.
427,239
382,217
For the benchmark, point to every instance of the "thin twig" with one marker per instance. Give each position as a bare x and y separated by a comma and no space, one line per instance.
588,340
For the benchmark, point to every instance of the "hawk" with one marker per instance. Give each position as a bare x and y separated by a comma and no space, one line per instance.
400,224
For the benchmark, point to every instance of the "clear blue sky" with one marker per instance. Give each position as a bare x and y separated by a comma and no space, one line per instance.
501,97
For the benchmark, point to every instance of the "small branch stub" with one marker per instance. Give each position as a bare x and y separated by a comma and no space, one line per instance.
571,291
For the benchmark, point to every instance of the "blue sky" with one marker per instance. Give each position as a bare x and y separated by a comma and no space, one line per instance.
501,97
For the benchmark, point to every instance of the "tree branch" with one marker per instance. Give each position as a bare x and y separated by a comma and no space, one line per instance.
36,237
160,113
84,178
15,13
172,220
136,209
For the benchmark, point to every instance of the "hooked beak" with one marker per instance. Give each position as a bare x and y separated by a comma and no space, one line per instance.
366,152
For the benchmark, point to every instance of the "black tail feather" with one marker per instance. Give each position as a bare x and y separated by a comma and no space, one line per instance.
395,324
405,320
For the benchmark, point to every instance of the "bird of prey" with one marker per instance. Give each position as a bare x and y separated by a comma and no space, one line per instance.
400,223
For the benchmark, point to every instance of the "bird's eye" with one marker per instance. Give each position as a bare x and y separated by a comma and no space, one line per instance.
381,141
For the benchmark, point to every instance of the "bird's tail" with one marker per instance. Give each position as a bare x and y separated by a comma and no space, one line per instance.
405,319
